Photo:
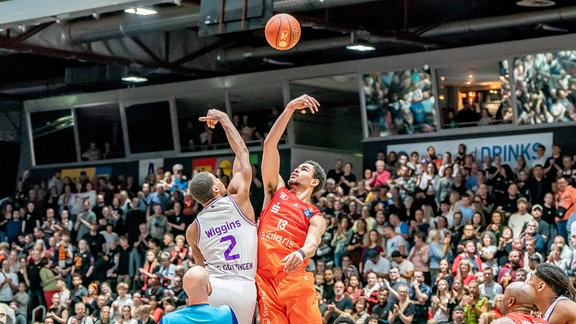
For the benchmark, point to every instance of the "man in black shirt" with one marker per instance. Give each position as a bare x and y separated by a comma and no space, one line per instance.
123,271
154,290
383,307
176,223
177,292
96,241
134,217
33,270
538,185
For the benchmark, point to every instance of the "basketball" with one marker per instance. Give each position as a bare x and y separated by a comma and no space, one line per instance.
282,31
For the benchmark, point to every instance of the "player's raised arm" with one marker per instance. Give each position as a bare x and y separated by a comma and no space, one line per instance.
241,170
271,156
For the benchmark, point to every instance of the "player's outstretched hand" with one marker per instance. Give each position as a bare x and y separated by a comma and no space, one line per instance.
213,116
303,102
293,261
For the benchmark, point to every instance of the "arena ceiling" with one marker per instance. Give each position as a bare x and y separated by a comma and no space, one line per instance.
83,46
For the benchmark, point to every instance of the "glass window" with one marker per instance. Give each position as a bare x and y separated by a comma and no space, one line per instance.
474,94
149,127
545,85
399,102
195,135
338,123
100,132
53,136
255,108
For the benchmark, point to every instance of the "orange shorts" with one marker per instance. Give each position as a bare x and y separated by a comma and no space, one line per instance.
288,298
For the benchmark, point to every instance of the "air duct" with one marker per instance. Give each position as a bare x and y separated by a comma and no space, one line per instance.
522,19
242,53
167,19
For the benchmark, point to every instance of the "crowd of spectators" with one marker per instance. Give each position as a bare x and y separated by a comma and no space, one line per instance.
400,102
430,238
545,87
420,237
95,250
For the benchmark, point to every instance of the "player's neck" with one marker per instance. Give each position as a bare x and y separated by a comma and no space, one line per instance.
210,201
544,301
303,195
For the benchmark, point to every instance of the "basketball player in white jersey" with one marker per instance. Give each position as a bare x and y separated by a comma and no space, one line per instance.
223,237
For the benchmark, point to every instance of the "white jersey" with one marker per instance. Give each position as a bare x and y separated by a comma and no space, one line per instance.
228,240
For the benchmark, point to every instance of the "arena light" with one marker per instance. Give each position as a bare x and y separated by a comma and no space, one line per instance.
141,11
134,79
360,48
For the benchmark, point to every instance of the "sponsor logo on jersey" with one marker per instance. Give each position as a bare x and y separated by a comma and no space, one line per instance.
308,212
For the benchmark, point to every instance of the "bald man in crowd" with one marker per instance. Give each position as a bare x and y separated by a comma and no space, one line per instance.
196,283
517,304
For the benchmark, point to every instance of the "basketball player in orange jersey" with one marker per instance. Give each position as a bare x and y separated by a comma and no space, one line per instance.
289,231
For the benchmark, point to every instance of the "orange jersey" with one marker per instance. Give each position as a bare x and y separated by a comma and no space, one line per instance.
282,229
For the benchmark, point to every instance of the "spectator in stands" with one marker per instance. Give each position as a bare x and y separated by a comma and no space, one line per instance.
565,205
380,176
405,266
420,294
341,304
403,309
156,223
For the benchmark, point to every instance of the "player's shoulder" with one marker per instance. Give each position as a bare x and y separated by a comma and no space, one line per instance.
565,310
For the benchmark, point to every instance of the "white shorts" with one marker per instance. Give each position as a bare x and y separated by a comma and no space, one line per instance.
240,295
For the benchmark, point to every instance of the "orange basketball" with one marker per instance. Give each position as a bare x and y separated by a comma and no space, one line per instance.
282,31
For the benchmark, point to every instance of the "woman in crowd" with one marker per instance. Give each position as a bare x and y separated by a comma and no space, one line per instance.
496,226
549,208
487,249
403,310
360,314
420,256
440,311
180,251
521,166
437,250
155,309
90,300
340,241
456,293
145,315
354,289
57,312
443,273
556,259
459,185
478,222
504,245
48,280
428,181
465,272
65,200
372,242
150,266
355,246
126,317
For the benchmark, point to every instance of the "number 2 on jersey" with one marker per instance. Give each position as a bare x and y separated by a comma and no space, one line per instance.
227,255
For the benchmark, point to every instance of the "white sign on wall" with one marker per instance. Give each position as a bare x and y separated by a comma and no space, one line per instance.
147,166
508,147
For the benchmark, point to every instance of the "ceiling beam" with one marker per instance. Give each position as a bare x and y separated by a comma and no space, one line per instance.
25,12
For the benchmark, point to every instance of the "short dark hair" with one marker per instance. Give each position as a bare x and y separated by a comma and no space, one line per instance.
201,187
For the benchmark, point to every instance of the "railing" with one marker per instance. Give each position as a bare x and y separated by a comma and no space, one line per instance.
35,310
